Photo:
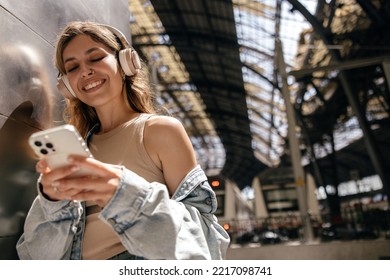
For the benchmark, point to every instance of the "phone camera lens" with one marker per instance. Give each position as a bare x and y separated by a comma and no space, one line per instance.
49,145
44,152
38,143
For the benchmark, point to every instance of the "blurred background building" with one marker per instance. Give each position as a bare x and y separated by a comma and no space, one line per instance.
286,104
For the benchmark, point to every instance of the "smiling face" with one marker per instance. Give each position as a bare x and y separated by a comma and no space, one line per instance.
93,71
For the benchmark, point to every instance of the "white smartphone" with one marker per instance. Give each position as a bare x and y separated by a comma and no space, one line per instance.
56,144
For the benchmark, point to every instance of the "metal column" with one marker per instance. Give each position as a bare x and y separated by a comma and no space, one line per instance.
294,147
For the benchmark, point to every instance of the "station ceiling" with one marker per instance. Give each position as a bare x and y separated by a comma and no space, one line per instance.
215,67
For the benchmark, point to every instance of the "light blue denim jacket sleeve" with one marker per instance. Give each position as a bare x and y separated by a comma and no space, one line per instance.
148,222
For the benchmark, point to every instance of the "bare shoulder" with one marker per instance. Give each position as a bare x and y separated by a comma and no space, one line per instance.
164,133
169,145
163,120
163,125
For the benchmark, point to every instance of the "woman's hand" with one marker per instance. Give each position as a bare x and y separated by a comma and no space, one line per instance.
99,187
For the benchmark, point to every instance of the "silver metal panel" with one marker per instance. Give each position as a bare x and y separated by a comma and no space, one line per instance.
47,17
29,100
26,72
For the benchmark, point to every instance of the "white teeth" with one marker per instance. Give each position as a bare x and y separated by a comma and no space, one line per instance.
94,84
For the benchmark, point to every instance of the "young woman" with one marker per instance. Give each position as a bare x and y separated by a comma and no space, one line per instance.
148,197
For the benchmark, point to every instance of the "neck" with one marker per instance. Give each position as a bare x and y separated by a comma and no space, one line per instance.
113,119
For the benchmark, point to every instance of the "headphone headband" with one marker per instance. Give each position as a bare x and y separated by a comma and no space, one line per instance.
128,60
118,34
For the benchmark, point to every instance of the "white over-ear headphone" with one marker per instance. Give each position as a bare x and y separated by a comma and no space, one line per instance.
128,60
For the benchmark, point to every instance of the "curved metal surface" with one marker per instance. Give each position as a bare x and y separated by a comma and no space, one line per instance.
28,97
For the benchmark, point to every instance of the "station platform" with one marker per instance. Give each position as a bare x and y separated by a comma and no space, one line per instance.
378,249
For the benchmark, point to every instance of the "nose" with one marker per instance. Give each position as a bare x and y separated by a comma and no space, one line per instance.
86,71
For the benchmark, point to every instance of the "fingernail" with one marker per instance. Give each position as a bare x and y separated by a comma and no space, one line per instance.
75,168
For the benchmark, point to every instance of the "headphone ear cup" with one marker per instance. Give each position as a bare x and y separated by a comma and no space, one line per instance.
64,87
129,61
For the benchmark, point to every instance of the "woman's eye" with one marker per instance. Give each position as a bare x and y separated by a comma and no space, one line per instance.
97,58
70,69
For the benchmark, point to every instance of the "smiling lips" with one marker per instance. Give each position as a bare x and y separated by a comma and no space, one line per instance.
93,85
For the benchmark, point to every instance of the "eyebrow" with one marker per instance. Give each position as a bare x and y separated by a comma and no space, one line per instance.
86,52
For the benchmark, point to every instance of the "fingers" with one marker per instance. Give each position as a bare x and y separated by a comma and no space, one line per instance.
96,167
41,166
50,179
96,189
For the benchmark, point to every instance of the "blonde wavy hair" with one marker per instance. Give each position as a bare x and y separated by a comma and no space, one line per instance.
138,91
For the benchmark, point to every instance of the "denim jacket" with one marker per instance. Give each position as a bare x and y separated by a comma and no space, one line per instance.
148,222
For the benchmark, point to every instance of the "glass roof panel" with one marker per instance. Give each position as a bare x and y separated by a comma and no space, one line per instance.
256,30
174,91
